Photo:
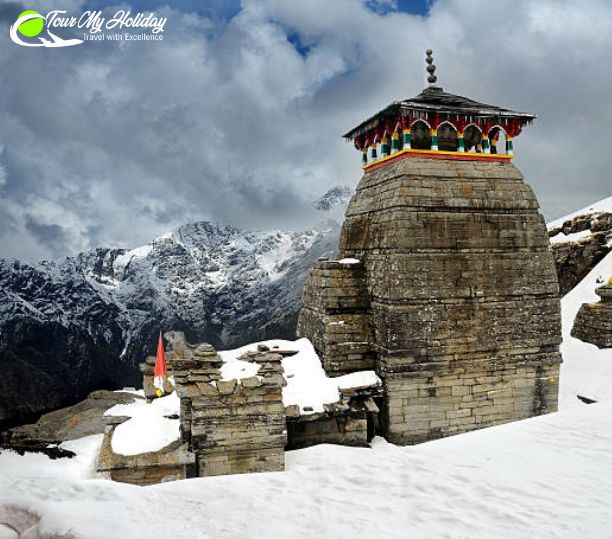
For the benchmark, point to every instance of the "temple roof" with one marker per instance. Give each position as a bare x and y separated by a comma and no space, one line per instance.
440,106
435,100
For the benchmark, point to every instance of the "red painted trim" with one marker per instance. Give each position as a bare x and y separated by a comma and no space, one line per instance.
459,156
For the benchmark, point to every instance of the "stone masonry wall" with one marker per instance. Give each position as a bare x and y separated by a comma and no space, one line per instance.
233,426
463,295
593,323
336,317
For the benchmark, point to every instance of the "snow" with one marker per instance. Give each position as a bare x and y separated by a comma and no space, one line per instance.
140,252
148,428
237,369
604,205
308,385
270,260
545,477
562,238
358,379
349,261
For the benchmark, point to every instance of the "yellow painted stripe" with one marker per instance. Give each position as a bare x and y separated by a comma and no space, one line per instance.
439,152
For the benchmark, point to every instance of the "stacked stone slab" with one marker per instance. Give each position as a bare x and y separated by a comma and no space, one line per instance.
462,292
350,421
336,316
233,426
593,323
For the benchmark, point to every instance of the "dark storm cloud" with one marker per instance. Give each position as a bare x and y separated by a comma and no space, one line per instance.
51,236
237,115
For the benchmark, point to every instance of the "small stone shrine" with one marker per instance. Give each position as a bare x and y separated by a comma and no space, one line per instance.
232,426
593,323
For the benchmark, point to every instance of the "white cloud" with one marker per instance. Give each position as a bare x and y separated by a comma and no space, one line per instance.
116,143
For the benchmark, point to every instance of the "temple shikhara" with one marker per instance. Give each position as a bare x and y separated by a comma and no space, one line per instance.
445,284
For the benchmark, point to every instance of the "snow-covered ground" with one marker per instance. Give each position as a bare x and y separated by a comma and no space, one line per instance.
549,476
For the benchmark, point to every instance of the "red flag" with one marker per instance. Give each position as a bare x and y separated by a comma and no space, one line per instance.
160,365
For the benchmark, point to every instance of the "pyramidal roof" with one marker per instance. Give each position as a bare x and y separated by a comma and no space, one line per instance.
434,100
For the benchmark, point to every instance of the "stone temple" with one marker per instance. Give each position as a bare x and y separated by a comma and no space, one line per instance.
445,282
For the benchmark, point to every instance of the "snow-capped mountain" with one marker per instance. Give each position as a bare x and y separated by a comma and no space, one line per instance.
337,196
68,328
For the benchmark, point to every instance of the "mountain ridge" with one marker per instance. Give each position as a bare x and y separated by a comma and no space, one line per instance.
86,322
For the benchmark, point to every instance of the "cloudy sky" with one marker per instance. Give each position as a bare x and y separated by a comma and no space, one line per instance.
237,115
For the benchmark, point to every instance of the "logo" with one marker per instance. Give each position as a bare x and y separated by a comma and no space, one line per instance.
30,24
31,29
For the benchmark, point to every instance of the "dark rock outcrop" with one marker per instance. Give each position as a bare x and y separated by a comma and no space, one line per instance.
574,259
82,419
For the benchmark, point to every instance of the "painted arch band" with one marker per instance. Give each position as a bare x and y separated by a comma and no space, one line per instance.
445,136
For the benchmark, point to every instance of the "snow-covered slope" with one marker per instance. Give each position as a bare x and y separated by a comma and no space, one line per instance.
545,477
604,205
85,323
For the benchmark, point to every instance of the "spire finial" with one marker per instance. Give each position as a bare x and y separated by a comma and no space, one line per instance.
431,68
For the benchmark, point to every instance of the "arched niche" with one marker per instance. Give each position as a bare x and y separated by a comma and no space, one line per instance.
447,137
421,135
497,139
472,136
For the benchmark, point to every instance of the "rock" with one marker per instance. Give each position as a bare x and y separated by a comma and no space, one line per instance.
251,381
575,259
208,390
293,410
168,464
274,379
82,419
263,348
242,429
226,387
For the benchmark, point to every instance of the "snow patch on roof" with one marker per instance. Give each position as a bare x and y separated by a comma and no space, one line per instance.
358,379
308,385
237,369
148,428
